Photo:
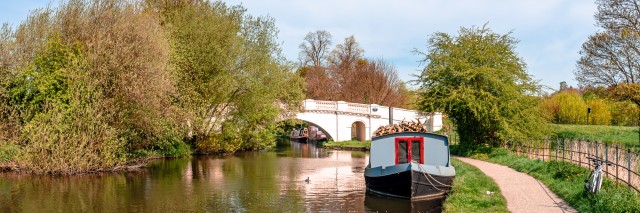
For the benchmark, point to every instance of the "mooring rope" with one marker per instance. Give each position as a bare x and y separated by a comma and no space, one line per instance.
425,173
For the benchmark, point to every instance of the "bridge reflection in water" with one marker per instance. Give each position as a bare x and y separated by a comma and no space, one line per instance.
259,181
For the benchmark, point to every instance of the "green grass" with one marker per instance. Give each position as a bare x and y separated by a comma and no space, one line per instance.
564,179
469,193
608,134
358,145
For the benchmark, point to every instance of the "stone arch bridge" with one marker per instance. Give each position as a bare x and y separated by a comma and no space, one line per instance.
342,121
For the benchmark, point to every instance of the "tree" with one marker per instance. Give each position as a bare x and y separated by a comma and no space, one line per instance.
612,57
314,49
345,75
233,82
478,80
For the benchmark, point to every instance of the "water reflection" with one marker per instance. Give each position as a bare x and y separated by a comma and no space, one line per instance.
261,181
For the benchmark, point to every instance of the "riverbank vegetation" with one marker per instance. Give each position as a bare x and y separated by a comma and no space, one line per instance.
473,191
563,178
348,145
89,86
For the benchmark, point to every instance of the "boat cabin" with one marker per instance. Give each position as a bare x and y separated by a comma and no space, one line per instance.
402,148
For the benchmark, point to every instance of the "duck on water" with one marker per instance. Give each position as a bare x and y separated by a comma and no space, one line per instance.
410,165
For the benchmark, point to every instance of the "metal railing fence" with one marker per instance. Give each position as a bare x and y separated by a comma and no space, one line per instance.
625,166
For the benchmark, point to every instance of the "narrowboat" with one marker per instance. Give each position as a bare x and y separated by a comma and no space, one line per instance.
299,134
410,165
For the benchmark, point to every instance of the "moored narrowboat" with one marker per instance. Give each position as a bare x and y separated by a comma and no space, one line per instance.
410,165
301,134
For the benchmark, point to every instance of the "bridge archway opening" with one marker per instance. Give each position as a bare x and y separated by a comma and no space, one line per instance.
358,131
324,132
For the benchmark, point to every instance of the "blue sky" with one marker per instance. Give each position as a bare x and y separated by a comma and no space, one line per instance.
550,31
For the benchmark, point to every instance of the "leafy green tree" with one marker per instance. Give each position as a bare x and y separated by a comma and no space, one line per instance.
62,127
478,80
233,83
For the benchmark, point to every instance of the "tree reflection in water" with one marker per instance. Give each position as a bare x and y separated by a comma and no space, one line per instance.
258,181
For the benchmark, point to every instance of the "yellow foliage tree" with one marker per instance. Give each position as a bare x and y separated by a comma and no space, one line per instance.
571,108
600,113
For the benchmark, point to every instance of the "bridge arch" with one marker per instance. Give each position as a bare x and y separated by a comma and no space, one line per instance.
359,131
325,132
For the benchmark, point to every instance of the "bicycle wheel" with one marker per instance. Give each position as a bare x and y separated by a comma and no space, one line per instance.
589,184
598,183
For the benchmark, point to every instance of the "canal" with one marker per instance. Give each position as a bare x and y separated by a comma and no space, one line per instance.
293,177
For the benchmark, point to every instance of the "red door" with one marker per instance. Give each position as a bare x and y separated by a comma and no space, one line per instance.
409,149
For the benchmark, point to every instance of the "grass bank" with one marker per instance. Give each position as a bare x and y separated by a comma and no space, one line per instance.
564,179
469,193
348,145
609,134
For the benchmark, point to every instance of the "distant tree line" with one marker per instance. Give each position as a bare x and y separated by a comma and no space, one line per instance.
90,85
611,58
591,106
344,74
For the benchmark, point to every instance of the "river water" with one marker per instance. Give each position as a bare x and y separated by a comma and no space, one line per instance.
272,180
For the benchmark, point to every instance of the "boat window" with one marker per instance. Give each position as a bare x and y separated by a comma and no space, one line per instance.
416,151
409,149
403,152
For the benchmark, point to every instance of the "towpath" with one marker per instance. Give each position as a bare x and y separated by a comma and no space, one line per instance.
522,192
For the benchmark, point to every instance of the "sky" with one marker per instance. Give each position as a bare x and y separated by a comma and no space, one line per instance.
550,32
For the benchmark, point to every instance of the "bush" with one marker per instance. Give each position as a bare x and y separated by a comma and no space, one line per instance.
572,108
72,140
600,114
569,107
624,113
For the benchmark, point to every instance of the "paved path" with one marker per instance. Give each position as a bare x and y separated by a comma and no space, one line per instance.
522,192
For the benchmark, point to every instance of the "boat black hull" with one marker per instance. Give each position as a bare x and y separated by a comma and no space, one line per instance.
298,139
409,184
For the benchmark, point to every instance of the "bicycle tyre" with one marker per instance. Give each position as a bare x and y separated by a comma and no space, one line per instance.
598,183
589,183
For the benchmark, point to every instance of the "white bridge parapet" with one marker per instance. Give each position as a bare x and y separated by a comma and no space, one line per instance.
343,121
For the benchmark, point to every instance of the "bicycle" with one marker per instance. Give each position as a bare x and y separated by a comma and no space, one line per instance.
594,183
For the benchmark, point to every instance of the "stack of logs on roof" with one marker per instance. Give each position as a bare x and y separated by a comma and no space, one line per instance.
404,126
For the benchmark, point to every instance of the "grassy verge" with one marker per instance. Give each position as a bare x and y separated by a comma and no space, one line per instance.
608,134
469,193
348,145
564,179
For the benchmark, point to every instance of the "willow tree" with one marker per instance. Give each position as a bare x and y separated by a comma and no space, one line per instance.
478,80
233,82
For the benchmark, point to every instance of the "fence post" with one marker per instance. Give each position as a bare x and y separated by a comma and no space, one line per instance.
606,157
579,153
629,167
588,153
556,149
617,167
535,144
571,143
563,151
543,146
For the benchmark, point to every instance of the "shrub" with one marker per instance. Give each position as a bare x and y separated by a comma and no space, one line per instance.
572,108
600,114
